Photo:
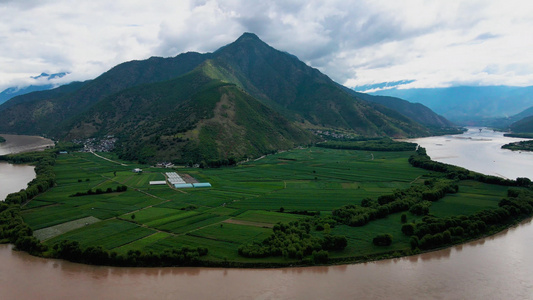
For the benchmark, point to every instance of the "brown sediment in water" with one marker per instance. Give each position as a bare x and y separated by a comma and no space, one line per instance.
497,267
23,143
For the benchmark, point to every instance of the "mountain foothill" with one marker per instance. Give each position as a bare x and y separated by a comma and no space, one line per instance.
244,100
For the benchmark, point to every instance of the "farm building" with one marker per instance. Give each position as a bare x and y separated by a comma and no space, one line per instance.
137,170
160,182
174,178
201,184
183,185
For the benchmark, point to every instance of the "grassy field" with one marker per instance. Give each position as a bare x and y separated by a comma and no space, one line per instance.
243,204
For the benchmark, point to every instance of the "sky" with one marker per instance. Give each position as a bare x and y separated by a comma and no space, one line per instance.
408,43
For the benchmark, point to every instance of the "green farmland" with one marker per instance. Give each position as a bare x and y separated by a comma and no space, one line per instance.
243,205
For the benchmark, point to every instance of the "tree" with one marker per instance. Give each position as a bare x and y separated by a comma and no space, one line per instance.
133,216
383,240
404,218
408,229
327,228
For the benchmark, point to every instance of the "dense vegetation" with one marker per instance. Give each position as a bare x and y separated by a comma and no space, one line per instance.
307,206
519,146
384,144
2,139
520,135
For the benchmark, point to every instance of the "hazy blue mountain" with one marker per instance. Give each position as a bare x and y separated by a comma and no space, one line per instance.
415,111
16,91
475,105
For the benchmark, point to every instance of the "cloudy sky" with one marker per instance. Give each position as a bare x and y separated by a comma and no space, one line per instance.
431,43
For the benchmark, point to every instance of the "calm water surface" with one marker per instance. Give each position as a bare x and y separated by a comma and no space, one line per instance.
13,178
480,151
498,267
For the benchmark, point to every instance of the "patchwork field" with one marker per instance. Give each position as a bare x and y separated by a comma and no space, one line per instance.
242,206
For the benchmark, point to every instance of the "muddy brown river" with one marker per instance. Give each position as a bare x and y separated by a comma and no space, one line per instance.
497,267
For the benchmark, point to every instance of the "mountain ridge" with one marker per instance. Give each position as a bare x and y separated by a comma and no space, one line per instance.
248,75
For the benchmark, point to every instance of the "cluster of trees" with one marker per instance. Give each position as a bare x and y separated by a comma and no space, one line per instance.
383,239
517,146
45,176
218,163
422,160
413,199
383,144
118,189
2,139
294,240
520,135
435,232
96,255
14,230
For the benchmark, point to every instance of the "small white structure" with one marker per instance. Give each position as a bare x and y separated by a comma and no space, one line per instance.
137,170
158,182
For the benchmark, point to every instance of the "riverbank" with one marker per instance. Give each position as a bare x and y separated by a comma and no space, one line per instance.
145,237
495,267
459,272
15,177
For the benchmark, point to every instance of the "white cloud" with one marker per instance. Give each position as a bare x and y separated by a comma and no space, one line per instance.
435,43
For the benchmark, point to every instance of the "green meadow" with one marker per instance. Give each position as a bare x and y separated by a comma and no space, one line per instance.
243,204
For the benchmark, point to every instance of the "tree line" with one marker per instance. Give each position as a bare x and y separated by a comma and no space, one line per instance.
118,189
435,232
383,144
415,199
96,255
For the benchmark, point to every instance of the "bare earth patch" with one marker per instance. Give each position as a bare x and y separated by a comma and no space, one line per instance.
53,231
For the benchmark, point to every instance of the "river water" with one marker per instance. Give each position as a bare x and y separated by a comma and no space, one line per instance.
497,267
13,178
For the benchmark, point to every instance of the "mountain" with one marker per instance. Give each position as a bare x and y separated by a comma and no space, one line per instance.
525,125
16,91
303,94
505,123
188,119
469,105
415,111
245,99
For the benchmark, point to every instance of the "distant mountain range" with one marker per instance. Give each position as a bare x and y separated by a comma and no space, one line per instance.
245,99
469,105
15,91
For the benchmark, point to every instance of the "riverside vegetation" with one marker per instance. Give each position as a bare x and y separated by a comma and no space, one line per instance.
301,207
